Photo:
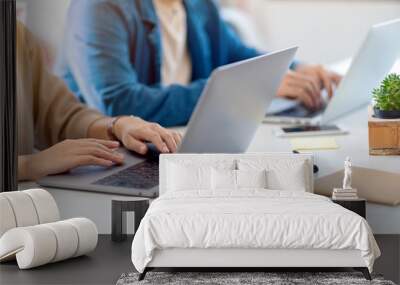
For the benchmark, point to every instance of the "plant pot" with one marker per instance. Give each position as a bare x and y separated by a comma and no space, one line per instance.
393,114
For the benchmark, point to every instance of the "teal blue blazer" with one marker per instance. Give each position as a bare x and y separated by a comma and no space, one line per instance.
111,57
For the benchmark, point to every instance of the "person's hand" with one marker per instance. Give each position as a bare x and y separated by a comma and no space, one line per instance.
327,79
306,83
67,155
134,132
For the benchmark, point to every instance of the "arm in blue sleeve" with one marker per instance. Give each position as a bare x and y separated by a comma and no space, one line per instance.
99,58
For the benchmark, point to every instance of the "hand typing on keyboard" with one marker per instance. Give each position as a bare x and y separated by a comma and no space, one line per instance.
133,132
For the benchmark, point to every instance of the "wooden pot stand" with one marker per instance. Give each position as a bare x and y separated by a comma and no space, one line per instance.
384,135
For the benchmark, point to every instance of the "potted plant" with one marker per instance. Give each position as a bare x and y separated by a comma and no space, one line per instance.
387,98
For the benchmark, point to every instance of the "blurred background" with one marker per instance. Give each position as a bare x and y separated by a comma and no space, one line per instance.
325,30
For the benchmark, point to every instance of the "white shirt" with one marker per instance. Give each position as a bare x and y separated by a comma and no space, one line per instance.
176,66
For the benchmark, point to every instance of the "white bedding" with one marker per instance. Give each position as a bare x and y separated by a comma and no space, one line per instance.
250,219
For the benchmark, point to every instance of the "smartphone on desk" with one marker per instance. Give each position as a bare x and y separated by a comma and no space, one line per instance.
310,130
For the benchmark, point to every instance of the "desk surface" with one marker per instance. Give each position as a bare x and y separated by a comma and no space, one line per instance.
354,144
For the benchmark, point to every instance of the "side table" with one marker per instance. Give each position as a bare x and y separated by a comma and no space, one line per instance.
357,206
119,207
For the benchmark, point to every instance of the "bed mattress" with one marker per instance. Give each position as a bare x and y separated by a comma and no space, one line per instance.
251,219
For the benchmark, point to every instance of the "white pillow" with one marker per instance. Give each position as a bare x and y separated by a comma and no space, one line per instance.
223,179
282,174
236,179
188,177
293,180
251,178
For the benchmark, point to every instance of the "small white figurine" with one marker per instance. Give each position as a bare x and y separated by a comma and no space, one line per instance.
347,174
347,192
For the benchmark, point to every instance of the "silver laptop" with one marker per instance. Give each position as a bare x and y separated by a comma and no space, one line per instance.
225,119
373,61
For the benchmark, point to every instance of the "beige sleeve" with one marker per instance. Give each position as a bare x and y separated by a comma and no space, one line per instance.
58,114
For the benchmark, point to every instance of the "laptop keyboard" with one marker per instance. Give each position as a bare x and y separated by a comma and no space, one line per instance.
299,111
143,175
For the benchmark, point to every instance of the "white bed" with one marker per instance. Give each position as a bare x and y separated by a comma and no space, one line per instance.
249,227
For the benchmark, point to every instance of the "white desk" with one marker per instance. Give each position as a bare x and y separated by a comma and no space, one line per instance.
354,144
383,219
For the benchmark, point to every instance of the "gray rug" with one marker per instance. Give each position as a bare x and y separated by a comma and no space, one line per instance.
268,278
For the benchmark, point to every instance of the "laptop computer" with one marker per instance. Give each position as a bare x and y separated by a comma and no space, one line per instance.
225,120
371,64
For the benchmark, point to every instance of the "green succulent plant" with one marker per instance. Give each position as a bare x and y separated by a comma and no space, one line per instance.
387,95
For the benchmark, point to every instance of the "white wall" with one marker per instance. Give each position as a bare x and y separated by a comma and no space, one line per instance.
46,19
325,30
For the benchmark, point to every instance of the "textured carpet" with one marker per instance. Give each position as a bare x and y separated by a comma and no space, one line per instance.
268,278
